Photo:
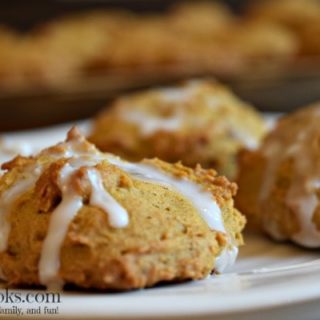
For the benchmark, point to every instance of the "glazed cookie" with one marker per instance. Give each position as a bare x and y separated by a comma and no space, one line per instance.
279,182
198,122
72,215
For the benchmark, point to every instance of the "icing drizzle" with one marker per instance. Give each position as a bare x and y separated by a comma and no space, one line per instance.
200,199
8,199
149,124
86,157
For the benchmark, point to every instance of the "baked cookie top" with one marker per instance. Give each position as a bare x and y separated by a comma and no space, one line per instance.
53,202
197,122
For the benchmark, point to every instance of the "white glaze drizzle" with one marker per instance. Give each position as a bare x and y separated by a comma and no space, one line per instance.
28,143
201,200
118,216
70,205
176,94
149,124
72,202
61,217
249,141
226,259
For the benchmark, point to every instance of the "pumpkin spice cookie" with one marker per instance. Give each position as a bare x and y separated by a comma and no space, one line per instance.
279,182
198,122
72,215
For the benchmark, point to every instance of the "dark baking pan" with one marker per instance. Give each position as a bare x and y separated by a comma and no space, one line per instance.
279,90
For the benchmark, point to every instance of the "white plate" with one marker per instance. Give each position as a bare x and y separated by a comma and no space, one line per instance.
269,281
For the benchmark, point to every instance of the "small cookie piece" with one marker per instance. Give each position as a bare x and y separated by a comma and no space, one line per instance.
279,182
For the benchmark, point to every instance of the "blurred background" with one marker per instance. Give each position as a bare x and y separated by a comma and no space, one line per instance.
24,15
64,60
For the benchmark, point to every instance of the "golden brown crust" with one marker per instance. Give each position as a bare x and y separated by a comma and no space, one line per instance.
166,239
278,182
214,125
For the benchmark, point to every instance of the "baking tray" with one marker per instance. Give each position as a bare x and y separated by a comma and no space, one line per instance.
277,88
